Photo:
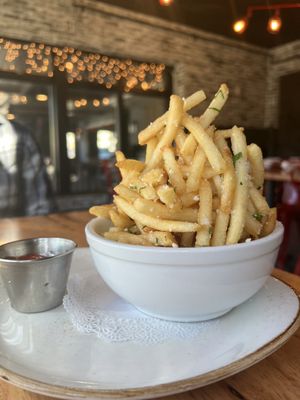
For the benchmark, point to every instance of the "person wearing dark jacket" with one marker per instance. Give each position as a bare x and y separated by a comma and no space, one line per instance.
25,188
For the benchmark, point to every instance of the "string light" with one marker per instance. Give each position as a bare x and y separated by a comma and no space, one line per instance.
274,22
96,103
106,101
69,66
165,2
41,97
23,99
145,86
240,25
77,65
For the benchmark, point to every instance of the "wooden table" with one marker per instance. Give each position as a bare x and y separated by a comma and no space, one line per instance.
281,176
278,176
275,378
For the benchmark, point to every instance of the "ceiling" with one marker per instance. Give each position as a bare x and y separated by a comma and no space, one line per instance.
217,16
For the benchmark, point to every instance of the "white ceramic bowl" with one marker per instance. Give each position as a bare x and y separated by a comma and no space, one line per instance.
183,284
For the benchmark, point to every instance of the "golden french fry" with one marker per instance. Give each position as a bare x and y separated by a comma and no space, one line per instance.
210,130
208,172
119,156
128,238
161,211
173,120
153,129
215,106
149,193
163,239
185,169
252,226
209,115
155,177
259,201
196,170
220,228
193,100
250,206
180,139
151,145
205,214
102,211
212,153
217,184
257,165
239,208
143,189
270,223
115,229
229,183
120,220
132,165
188,149
126,193
173,171
226,133
189,199
168,196
129,176
226,191
154,223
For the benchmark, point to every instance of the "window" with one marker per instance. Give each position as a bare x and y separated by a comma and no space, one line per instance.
80,107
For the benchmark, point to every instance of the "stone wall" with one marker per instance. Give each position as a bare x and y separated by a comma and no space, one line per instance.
283,60
199,59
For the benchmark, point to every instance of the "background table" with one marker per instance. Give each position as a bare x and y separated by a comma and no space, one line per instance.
281,176
275,378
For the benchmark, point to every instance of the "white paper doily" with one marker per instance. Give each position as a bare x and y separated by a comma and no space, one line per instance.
95,309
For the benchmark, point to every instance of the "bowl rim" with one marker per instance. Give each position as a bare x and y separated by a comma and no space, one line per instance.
90,232
64,253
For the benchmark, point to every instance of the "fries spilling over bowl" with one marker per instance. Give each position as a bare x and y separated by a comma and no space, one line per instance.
198,186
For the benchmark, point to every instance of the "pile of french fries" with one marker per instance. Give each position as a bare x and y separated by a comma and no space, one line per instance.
199,186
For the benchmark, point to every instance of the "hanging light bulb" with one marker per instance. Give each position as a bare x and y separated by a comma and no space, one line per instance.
240,25
165,2
274,23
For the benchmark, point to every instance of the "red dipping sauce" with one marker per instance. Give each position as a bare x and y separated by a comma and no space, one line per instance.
32,256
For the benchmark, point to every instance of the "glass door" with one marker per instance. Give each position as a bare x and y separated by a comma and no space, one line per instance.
28,162
91,140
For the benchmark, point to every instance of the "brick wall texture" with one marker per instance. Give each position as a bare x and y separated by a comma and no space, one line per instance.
199,59
283,60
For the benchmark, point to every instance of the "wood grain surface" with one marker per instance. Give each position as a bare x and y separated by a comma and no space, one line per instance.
275,378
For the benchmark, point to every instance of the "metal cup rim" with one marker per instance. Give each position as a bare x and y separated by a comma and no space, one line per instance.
5,260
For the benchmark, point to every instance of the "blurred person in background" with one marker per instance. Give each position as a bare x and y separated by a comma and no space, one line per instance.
25,187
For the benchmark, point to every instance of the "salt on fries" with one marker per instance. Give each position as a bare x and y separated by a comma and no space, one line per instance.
199,186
